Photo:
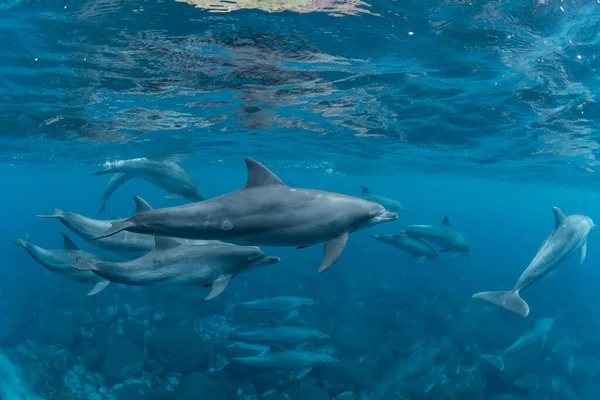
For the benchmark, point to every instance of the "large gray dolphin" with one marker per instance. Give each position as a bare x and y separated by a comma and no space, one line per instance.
265,212
539,333
570,233
389,204
412,245
165,174
122,243
59,260
449,239
174,264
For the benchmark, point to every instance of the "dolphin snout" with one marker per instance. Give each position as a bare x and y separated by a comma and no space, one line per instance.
268,260
388,216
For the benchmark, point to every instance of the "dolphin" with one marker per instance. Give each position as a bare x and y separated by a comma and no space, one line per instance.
165,174
389,204
123,242
58,261
298,360
279,335
277,303
570,233
538,333
443,235
174,264
265,213
412,245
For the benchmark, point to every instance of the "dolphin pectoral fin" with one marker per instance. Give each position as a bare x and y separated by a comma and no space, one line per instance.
496,361
115,182
100,286
583,253
83,265
164,243
421,259
333,250
114,229
544,340
302,373
218,286
509,300
301,346
302,247
173,197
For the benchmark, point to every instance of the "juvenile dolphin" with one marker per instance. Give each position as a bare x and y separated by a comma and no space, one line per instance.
265,212
58,261
298,360
174,264
570,233
123,242
389,204
538,333
279,335
165,174
449,239
277,303
412,245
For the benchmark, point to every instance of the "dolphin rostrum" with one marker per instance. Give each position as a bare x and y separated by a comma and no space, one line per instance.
538,333
570,233
174,264
58,261
165,174
265,212
123,242
389,204
444,235
416,247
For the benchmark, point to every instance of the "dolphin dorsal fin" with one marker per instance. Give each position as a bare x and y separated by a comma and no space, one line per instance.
69,244
446,221
365,190
164,243
559,217
259,175
141,205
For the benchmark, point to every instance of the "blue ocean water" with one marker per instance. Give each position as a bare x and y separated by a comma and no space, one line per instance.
484,111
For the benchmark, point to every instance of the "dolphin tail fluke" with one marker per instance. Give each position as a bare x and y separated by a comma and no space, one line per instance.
100,286
83,265
114,229
509,300
104,172
496,361
229,306
57,214
19,242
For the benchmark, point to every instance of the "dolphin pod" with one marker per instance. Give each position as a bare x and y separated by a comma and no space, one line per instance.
569,234
174,264
165,174
265,212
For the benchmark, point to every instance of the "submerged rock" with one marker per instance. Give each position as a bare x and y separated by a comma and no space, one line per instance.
135,391
124,360
197,386
59,329
179,349
306,390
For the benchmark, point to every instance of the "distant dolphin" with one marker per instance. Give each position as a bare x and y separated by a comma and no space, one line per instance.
298,360
412,245
570,233
279,335
165,174
538,333
58,261
174,264
265,212
449,239
389,204
123,242
277,303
